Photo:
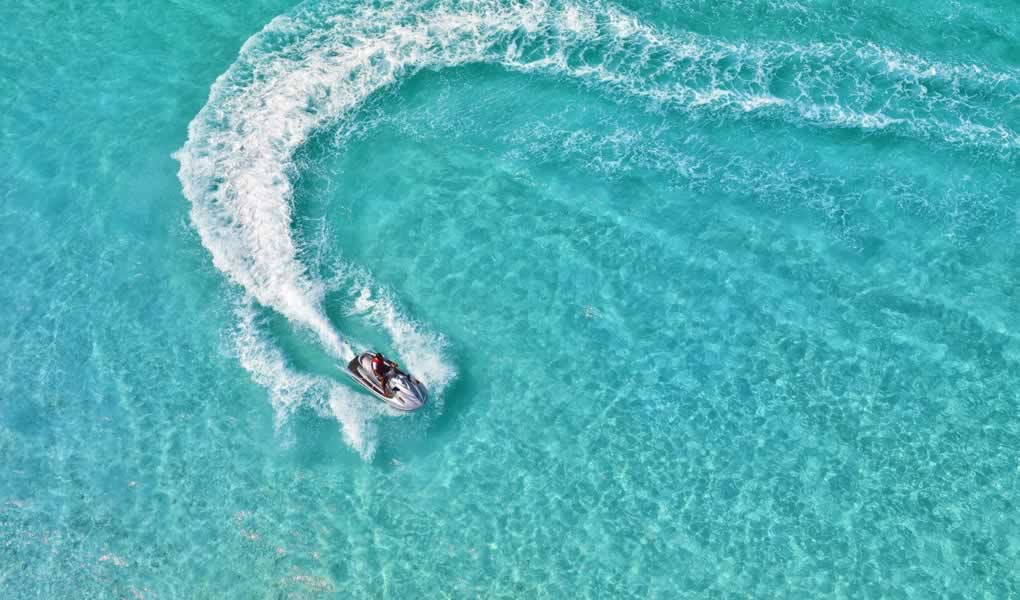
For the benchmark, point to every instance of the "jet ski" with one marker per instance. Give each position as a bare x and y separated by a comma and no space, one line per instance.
397,388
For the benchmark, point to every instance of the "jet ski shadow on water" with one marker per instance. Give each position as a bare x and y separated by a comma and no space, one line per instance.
384,379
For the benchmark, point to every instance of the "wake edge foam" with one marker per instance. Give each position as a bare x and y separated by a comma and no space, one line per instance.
312,69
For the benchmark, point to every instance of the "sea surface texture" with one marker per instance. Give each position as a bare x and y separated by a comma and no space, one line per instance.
714,299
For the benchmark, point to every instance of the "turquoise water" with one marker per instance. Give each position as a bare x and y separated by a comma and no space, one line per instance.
715,299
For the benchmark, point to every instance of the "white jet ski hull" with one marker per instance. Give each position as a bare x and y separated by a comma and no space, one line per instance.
405,392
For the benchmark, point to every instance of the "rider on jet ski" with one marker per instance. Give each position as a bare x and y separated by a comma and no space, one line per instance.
384,369
384,380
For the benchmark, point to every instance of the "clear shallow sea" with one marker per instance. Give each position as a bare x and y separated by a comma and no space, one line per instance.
716,299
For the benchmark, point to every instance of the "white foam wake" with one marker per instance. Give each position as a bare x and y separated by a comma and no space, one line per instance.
312,69
289,389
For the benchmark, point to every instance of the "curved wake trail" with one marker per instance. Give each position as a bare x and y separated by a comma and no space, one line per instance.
312,69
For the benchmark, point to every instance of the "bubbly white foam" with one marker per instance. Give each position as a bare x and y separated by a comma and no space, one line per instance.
313,69
413,342
289,389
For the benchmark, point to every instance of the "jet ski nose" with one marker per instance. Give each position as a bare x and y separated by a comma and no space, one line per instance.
408,394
